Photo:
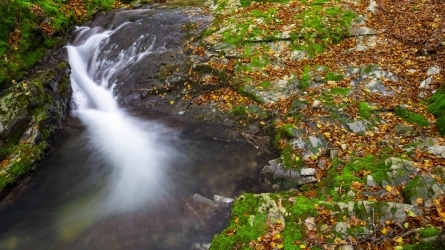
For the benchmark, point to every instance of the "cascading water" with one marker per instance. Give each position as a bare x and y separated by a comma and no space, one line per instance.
115,181
133,147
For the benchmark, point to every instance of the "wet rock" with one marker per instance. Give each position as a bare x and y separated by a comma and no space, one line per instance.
277,170
200,246
201,199
222,199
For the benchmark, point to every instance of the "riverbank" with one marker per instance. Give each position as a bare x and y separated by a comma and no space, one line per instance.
346,88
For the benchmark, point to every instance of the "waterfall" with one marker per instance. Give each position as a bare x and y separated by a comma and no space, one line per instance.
137,151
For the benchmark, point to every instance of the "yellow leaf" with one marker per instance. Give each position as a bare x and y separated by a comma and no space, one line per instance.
384,231
388,188
398,240
302,246
172,102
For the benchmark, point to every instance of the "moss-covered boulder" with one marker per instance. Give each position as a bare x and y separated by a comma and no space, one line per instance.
31,112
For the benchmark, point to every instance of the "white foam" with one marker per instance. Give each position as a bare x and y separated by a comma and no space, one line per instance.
136,150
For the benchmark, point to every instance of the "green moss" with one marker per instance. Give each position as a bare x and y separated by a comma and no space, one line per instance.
349,174
364,110
305,78
411,116
429,232
246,221
409,191
437,107
322,26
437,244
284,132
290,158
30,46
23,158
239,110
245,3
340,91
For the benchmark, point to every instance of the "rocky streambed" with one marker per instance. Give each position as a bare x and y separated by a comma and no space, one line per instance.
346,99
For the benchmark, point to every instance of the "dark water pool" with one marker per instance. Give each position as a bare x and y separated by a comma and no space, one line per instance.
59,207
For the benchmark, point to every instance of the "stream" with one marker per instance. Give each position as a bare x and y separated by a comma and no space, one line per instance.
120,178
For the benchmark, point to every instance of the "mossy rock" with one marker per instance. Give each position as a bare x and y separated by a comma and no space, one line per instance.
31,113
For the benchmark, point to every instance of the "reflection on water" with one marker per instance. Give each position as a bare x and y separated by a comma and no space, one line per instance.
61,207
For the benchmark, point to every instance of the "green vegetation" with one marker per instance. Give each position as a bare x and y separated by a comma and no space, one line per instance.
340,91
437,108
284,132
22,161
364,110
246,224
245,3
321,26
305,79
26,32
338,185
411,116
429,232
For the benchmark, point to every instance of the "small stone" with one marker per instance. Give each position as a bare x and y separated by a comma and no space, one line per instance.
315,142
370,181
401,128
425,84
318,79
357,126
307,180
307,171
351,193
381,193
201,199
222,199
316,103
433,71
368,194
333,152
341,228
